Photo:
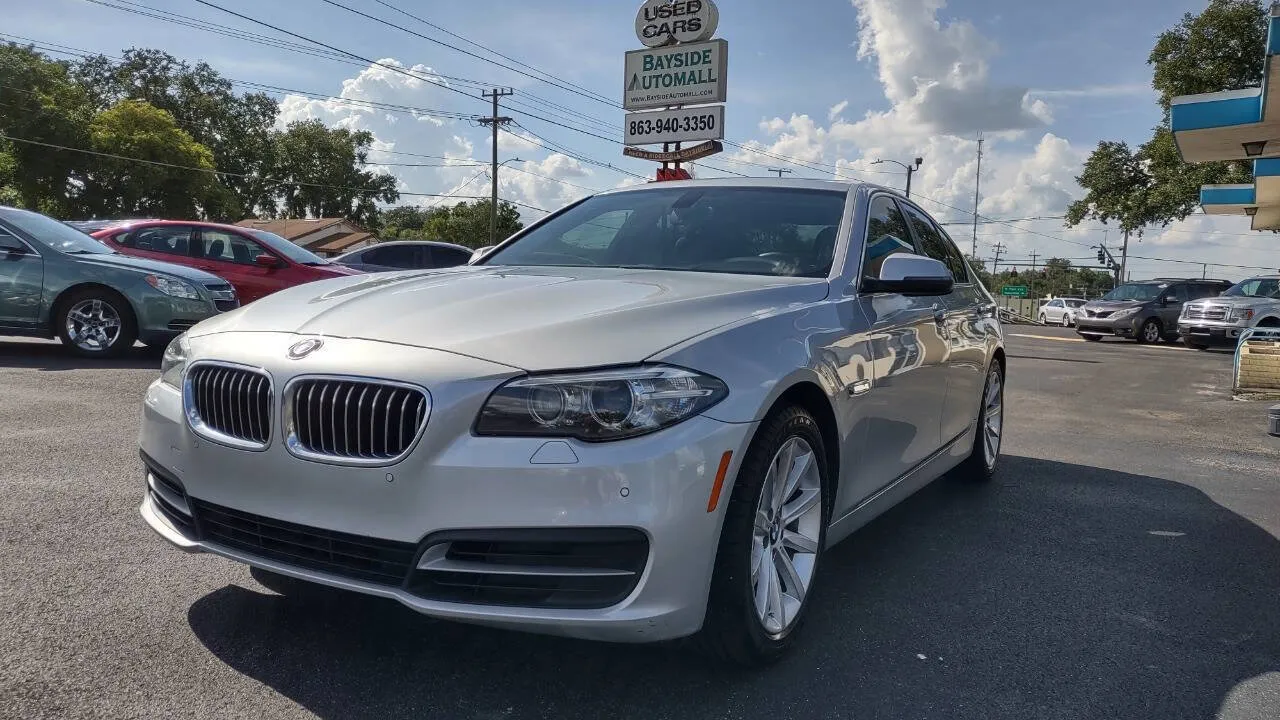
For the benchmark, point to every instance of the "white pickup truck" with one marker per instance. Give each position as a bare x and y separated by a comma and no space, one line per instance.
1219,320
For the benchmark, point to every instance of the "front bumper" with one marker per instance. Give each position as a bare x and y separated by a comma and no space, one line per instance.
161,317
1210,333
655,487
1123,327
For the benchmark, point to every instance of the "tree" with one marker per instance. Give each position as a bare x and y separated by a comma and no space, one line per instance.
236,128
42,104
318,171
468,223
1219,49
114,187
407,222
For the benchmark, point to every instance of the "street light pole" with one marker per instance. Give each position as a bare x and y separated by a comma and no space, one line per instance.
910,169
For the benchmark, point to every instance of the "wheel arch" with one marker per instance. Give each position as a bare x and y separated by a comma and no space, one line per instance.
55,308
1269,321
809,396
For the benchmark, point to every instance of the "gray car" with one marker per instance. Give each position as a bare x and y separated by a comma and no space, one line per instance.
1219,320
1145,311
644,417
405,255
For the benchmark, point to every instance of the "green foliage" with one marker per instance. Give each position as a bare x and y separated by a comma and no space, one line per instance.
308,154
1057,277
1222,48
153,106
468,223
114,187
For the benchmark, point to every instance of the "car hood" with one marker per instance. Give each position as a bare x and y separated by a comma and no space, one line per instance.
120,260
334,270
1097,305
530,318
1236,301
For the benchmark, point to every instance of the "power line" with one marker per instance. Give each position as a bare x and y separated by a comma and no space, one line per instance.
209,171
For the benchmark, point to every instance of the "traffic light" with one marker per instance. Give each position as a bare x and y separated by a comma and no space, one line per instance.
1102,256
1014,273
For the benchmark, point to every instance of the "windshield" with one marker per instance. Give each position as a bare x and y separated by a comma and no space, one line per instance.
58,236
1136,291
752,231
1255,287
297,254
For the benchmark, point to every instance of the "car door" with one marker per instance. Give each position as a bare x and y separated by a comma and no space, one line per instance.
900,395
1053,311
21,282
230,256
1170,307
963,310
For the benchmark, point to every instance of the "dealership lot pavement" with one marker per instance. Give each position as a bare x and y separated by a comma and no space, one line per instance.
1124,563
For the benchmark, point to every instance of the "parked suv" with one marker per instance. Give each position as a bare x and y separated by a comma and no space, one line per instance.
1145,311
256,262
1218,321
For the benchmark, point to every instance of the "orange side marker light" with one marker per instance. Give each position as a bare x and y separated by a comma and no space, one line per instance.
719,484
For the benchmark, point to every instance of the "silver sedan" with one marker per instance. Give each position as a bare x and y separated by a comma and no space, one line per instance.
645,417
1061,311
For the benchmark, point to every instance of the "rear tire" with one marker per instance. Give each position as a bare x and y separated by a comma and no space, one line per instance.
988,434
1092,338
1043,320
737,624
1066,320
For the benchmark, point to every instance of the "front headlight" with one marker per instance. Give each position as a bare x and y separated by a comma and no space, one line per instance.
1240,314
174,361
173,287
599,406
1125,312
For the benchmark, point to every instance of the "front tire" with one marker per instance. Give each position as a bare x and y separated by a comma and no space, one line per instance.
989,433
1150,332
96,323
774,533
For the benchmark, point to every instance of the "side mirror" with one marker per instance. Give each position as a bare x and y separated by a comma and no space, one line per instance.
267,261
911,275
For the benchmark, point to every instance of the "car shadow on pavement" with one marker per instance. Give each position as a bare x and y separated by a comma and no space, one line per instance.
54,357
1055,591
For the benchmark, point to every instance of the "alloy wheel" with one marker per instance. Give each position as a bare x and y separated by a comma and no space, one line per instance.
93,325
1151,332
993,417
785,535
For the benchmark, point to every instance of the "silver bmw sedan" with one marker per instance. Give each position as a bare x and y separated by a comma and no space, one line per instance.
644,417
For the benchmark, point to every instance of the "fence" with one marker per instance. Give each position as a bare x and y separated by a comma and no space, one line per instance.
1026,307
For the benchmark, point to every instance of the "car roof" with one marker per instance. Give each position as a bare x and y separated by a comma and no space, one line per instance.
792,183
162,223
397,243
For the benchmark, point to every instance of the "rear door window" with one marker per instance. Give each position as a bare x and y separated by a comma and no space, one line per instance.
170,240
936,245
223,246
396,256
887,234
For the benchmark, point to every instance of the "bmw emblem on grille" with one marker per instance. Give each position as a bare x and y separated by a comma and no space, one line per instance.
303,348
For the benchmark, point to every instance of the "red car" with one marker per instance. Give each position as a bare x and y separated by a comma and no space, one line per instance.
256,262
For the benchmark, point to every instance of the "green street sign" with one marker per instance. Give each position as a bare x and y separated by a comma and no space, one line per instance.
1013,290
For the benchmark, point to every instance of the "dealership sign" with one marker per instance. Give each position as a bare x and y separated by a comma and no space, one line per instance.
689,74
663,22
680,125
689,154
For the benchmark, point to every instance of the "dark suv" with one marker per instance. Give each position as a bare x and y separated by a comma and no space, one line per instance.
1145,311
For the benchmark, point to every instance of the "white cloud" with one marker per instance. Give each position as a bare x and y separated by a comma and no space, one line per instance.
836,109
937,75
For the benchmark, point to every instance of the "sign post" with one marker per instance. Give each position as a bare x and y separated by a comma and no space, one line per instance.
670,86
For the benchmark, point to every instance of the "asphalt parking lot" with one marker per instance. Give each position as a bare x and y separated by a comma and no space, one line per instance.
1124,563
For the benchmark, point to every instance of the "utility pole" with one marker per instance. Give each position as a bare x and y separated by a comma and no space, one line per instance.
780,171
995,262
1034,255
977,186
496,121
1124,260
911,170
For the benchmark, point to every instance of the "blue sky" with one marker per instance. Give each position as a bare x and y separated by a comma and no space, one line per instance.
834,83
